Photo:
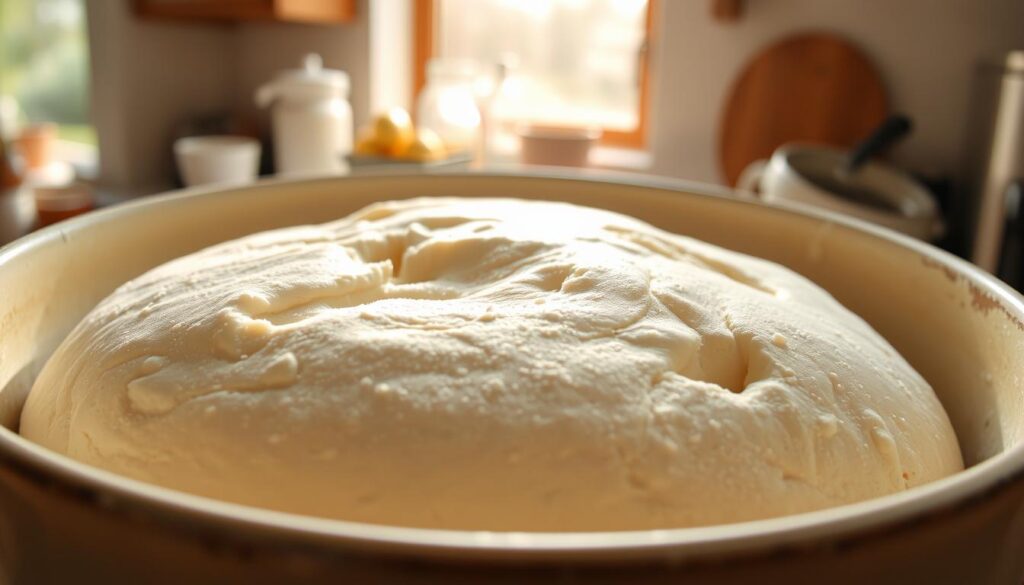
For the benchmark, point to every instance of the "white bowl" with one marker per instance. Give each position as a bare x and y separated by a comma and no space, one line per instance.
964,331
556,146
204,160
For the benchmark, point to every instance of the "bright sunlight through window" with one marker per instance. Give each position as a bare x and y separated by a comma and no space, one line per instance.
44,67
571,62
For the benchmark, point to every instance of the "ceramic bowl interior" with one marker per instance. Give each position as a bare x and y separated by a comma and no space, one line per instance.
961,329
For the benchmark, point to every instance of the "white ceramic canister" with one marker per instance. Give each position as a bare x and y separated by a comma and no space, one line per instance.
311,118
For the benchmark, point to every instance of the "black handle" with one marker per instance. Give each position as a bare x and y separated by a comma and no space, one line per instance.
895,127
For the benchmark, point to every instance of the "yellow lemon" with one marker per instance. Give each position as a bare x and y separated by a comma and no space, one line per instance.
393,130
366,143
427,146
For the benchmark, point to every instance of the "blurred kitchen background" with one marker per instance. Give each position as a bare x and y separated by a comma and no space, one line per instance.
106,100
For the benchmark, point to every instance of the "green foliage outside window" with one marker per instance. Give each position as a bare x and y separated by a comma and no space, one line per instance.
44,64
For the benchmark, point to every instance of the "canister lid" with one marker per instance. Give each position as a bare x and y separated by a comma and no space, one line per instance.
312,74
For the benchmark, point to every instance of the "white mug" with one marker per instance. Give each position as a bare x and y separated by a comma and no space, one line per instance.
806,175
217,159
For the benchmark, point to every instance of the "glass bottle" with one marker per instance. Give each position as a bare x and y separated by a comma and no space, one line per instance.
447,105
17,210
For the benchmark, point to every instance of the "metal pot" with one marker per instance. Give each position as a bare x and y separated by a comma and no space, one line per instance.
812,175
962,329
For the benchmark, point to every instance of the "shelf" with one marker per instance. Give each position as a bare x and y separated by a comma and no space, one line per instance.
307,11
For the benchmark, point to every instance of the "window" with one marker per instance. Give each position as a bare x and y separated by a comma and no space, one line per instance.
576,62
44,67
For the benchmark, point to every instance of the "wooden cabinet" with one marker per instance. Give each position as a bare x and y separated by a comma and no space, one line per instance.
312,11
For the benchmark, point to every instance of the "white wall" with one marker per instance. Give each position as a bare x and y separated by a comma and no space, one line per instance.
926,51
391,33
147,77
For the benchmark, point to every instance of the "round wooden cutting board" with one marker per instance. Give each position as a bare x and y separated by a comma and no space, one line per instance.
813,87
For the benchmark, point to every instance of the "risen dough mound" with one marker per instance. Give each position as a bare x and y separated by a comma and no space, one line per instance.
491,364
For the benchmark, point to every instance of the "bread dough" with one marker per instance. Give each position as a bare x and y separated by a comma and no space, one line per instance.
491,364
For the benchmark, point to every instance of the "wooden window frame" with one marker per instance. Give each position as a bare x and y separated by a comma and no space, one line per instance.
423,49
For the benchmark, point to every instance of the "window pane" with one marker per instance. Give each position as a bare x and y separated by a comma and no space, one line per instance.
577,60
44,64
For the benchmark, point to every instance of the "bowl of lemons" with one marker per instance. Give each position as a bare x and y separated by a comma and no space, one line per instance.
392,139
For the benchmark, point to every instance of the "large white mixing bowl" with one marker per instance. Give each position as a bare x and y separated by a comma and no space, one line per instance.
61,521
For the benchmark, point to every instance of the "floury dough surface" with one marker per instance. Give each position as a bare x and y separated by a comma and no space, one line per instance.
491,364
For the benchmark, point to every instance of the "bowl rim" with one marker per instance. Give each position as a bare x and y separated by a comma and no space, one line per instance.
190,145
843,524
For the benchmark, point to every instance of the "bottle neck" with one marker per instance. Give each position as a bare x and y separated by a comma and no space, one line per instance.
8,178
